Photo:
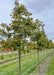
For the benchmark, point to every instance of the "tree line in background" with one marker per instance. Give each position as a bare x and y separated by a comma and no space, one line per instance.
22,26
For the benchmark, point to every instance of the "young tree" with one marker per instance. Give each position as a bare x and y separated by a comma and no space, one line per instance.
38,31
21,26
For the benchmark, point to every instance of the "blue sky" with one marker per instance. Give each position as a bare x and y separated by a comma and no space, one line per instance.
41,9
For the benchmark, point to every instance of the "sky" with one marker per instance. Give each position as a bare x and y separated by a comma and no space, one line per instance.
41,9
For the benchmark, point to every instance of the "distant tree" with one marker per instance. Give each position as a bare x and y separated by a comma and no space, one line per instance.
42,42
50,44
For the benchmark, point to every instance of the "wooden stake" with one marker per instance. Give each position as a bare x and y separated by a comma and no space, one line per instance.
19,63
38,62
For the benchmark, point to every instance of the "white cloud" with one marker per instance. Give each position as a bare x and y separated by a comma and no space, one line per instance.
38,5
53,41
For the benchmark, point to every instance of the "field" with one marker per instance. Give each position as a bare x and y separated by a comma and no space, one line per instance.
28,63
12,56
51,71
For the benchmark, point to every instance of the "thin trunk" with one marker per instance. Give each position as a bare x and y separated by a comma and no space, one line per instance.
45,53
16,57
26,55
38,63
32,54
19,63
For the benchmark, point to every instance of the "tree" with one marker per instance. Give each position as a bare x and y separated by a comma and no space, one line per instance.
42,42
18,30
21,26
38,31
5,32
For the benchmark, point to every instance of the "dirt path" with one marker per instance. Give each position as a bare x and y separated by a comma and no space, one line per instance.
44,66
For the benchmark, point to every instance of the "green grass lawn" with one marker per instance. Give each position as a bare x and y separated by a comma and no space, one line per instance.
51,71
27,65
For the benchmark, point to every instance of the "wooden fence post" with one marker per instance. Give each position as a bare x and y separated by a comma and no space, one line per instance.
38,62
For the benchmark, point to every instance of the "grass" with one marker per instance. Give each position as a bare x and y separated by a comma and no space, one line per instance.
13,63
8,56
51,71
27,65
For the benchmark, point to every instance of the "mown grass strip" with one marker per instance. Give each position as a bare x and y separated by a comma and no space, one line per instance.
51,71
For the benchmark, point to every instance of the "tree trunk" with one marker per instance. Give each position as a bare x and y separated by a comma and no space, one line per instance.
16,57
19,63
26,55
38,62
